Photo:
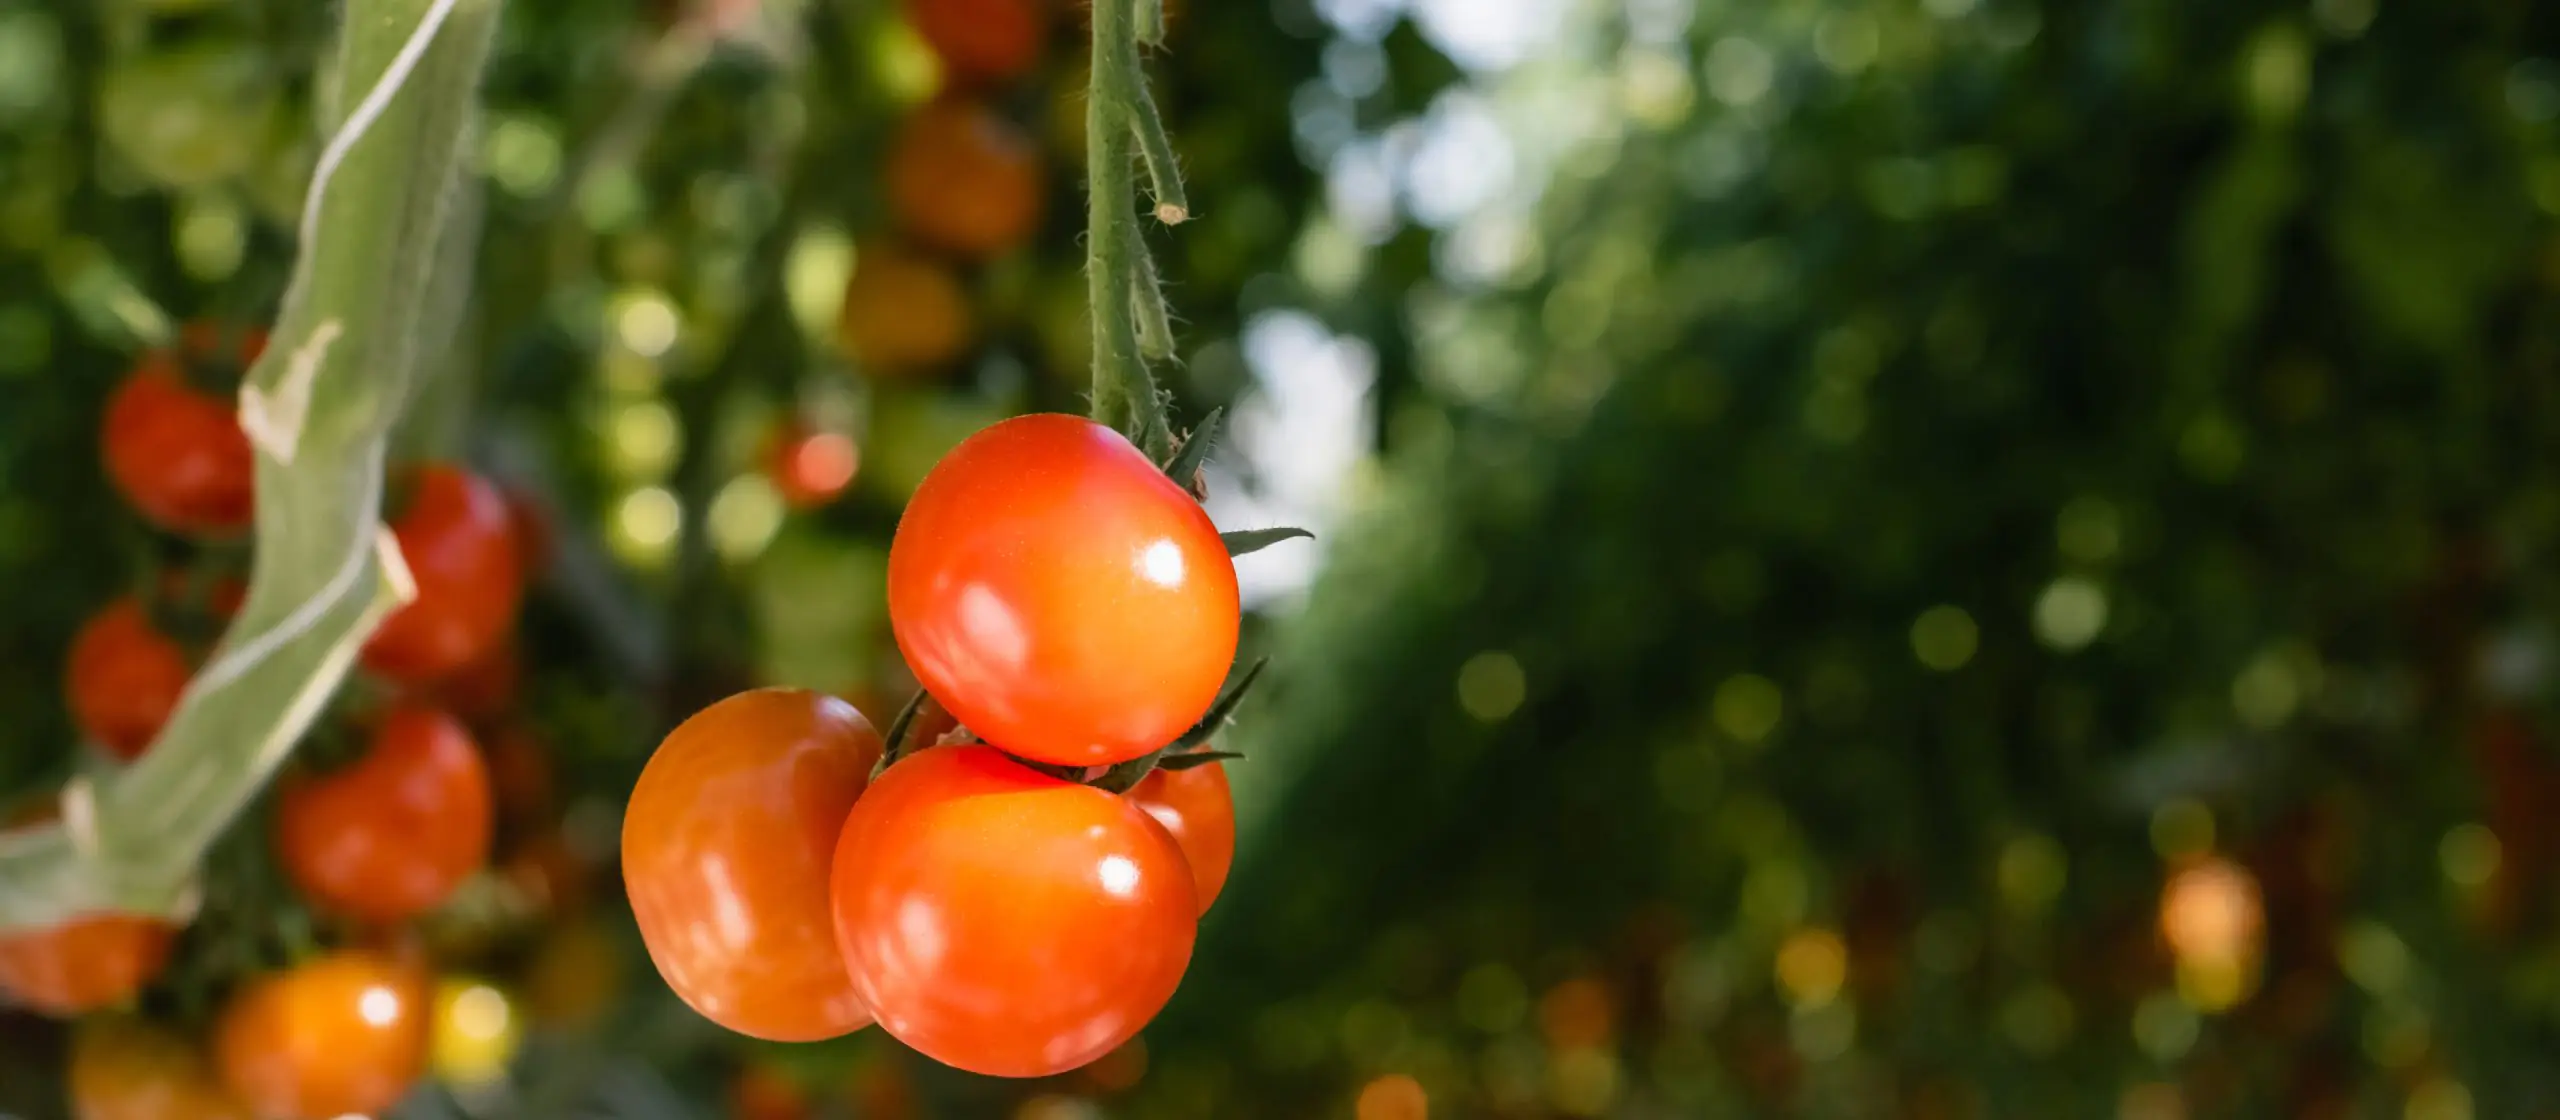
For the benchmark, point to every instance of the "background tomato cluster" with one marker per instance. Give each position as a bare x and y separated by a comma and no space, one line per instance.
1904,557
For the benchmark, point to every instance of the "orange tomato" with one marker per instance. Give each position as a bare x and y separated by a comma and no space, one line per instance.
982,40
124,678
460,546
1196,806
389,837
83,964
342,1034
127,1069
965,180
726,849
175,451
1006,922
903,312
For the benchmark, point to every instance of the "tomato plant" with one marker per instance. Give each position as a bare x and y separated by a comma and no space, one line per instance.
339,1034
176,451
1196,806
126,1069
1061,596
965,180
1004,921
389,836
903,312
982,40
460,545
123,678
726,850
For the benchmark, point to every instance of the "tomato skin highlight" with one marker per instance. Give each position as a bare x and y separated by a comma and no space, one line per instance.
726,850
126,1069
1060,596
1006,922
177,453
459,541
1199,809
341,1034
389,836
124,678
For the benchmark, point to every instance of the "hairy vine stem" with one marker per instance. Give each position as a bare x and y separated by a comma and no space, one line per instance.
1120,115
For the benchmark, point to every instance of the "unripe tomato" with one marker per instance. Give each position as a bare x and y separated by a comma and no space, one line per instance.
342,1034
83,964
124,678
461,547
903,313
1007,922
176,452
127,1069
1196,806
388,837
982,40
811,468
1061,596
965,180
726,849
475,1032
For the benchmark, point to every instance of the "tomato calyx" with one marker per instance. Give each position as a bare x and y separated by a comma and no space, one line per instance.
1183,467
1193,743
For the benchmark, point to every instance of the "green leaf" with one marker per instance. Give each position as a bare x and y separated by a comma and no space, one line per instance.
1195,759
1220,712
1186,461
1248,541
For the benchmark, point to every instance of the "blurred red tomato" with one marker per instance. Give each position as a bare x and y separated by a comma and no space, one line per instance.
342,1034
965,180
389,836
461,549
1196,806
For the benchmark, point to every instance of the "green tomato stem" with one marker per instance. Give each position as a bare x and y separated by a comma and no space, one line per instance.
1124,392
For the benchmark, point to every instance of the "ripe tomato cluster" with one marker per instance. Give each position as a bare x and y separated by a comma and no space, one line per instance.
1019,894
372,839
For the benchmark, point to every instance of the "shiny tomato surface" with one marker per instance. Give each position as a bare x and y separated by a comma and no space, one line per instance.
389,836
341,1034
1006,922
460,544
1062,597
1196,806
726,850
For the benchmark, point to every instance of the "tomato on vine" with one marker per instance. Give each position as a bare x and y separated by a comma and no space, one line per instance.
1196,806
176,451
811,468
124,678
341,1034
126,1069
389,836
727,846
982,40
1062,597
460,546
1006,922
83,964
903,312
964,180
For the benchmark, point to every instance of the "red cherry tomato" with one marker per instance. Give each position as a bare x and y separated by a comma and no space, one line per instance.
1004,921
84,964
461,547
1061,596
964,180
126,1069
389,836
343,1034
177,452
1196,806
982,40
124,678
726,849
812,468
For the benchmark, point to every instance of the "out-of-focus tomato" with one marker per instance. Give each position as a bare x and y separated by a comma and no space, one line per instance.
124,678
965,180
461,547
811,468
1196,806
340,1034
1062,597
126,1069
84,964
726,849
175,451
474,1032
1007,922
389,836
982,40
903,313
